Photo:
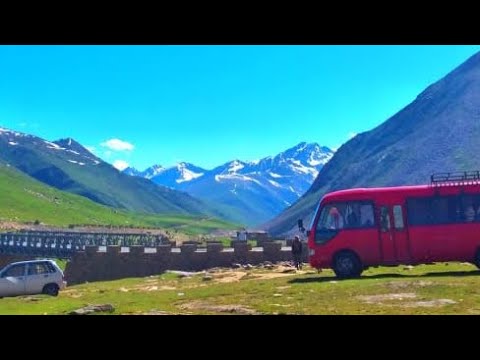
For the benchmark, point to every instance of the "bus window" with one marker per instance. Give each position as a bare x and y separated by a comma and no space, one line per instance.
330,222
334,218
440,211
359,214
468,212
384,219
419,211
366,215
398,217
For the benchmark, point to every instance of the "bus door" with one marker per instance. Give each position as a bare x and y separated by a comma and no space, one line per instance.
393,234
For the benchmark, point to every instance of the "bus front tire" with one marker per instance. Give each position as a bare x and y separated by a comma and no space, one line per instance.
346,264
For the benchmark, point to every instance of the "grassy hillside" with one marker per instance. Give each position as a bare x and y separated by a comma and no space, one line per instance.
70,167
449,288
438,132
23,199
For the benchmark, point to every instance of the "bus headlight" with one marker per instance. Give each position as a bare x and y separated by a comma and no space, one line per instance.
311,252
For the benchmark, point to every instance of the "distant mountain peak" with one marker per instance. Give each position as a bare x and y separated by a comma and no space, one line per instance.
73,145
152,171
235,166
188,172
132,171
301,146
183,164
257,189
8,132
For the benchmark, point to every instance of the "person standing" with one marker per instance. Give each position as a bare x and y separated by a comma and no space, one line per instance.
242,235
297,252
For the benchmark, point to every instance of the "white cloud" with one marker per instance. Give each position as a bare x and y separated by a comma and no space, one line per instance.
120,165
351,135
117,145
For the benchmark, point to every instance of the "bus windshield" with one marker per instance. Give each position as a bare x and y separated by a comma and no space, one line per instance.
346,215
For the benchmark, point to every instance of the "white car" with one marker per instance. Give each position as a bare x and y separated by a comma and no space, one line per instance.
31,277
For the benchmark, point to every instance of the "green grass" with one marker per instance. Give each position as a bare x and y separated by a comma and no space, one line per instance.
450,288
26,200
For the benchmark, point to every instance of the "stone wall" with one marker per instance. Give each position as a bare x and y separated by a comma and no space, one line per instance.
92,265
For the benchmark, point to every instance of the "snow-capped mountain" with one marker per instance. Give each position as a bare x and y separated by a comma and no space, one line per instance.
153,171
133,172
147,174
256,190
67,149
177,175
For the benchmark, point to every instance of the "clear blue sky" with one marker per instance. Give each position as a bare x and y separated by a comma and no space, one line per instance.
211,104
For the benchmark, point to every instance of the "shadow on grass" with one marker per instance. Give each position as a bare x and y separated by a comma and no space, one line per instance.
386,276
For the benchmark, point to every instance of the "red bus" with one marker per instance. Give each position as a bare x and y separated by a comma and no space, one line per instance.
358,228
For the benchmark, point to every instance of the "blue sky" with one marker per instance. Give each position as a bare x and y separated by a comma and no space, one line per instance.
148,105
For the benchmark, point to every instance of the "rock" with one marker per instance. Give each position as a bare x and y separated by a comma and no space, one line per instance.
92,309
207,278
408,267
248,267
181,274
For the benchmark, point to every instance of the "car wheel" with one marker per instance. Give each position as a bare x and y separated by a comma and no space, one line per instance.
346,264
50,289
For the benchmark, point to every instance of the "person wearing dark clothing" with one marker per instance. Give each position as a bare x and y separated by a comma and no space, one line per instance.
297,252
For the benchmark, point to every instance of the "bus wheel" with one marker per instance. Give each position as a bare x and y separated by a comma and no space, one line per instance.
346,264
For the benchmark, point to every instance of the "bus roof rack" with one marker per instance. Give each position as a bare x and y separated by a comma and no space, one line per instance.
455,178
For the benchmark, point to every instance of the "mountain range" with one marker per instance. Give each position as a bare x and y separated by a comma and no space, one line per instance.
438,132
67,165
250,191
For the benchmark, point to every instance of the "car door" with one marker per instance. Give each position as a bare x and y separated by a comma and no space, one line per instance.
38,275
12,281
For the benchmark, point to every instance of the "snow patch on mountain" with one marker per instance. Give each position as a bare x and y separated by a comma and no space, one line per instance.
152,171
187,175
235,166
299,167
237,177
274,183
76,162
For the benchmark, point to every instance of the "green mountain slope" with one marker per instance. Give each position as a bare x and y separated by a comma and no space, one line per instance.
68,166
439,131
24,199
